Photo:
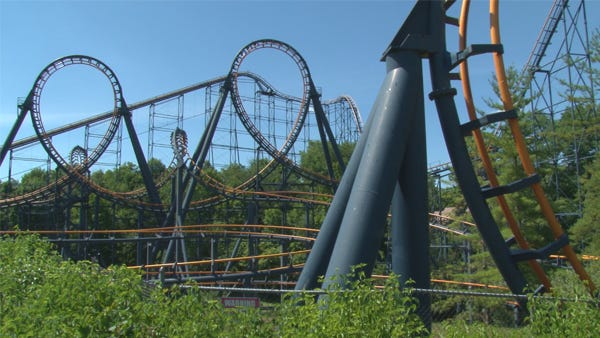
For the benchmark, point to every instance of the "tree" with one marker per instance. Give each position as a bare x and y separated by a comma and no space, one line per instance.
7,215
586,232
313,159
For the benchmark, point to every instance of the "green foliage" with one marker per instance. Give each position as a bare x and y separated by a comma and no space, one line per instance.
507,164
548,318
571,318
313,158
43,296
358,311
572,312
157,168
236,174
586,232
463,328
123,179
33,180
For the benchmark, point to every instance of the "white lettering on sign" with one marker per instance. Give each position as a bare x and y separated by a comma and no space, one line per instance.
240,302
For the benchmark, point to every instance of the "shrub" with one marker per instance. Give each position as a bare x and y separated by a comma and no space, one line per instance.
358,311
43,296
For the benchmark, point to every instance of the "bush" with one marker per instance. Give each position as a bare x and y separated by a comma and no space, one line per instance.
358,311
43,296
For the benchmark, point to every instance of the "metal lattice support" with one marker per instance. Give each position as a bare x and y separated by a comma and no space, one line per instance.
164,116
560,83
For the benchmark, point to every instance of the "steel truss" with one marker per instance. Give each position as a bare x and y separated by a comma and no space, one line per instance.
236,120
559,71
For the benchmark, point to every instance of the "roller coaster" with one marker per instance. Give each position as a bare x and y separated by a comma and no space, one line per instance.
186,224
271,133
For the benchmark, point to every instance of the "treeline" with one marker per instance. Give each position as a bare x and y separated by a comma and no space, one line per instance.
228,182
220,196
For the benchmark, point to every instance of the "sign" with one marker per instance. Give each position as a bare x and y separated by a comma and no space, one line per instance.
230,302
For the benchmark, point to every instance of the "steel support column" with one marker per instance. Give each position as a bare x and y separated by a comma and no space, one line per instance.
365,215
318,259
410,224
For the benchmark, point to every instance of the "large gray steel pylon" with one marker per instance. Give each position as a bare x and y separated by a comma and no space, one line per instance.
388,168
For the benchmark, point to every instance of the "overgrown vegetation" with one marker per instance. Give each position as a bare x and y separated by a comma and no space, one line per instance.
569,311
42,295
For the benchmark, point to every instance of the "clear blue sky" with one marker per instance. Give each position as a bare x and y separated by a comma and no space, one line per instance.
159,46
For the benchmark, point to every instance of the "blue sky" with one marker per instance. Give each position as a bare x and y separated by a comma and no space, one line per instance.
158,46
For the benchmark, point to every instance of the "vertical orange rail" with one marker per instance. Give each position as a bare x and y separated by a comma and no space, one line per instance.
506,98
482,149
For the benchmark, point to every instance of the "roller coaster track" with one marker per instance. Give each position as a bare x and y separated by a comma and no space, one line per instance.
129,198
118,109
388,172
532,179
543,40
278,155
107,115
212,275
201,228
304,102
482,148
199,271
163,97
79,164
442,95
133,198
357,118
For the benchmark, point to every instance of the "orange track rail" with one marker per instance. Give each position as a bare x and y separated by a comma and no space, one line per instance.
482,149
520,144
